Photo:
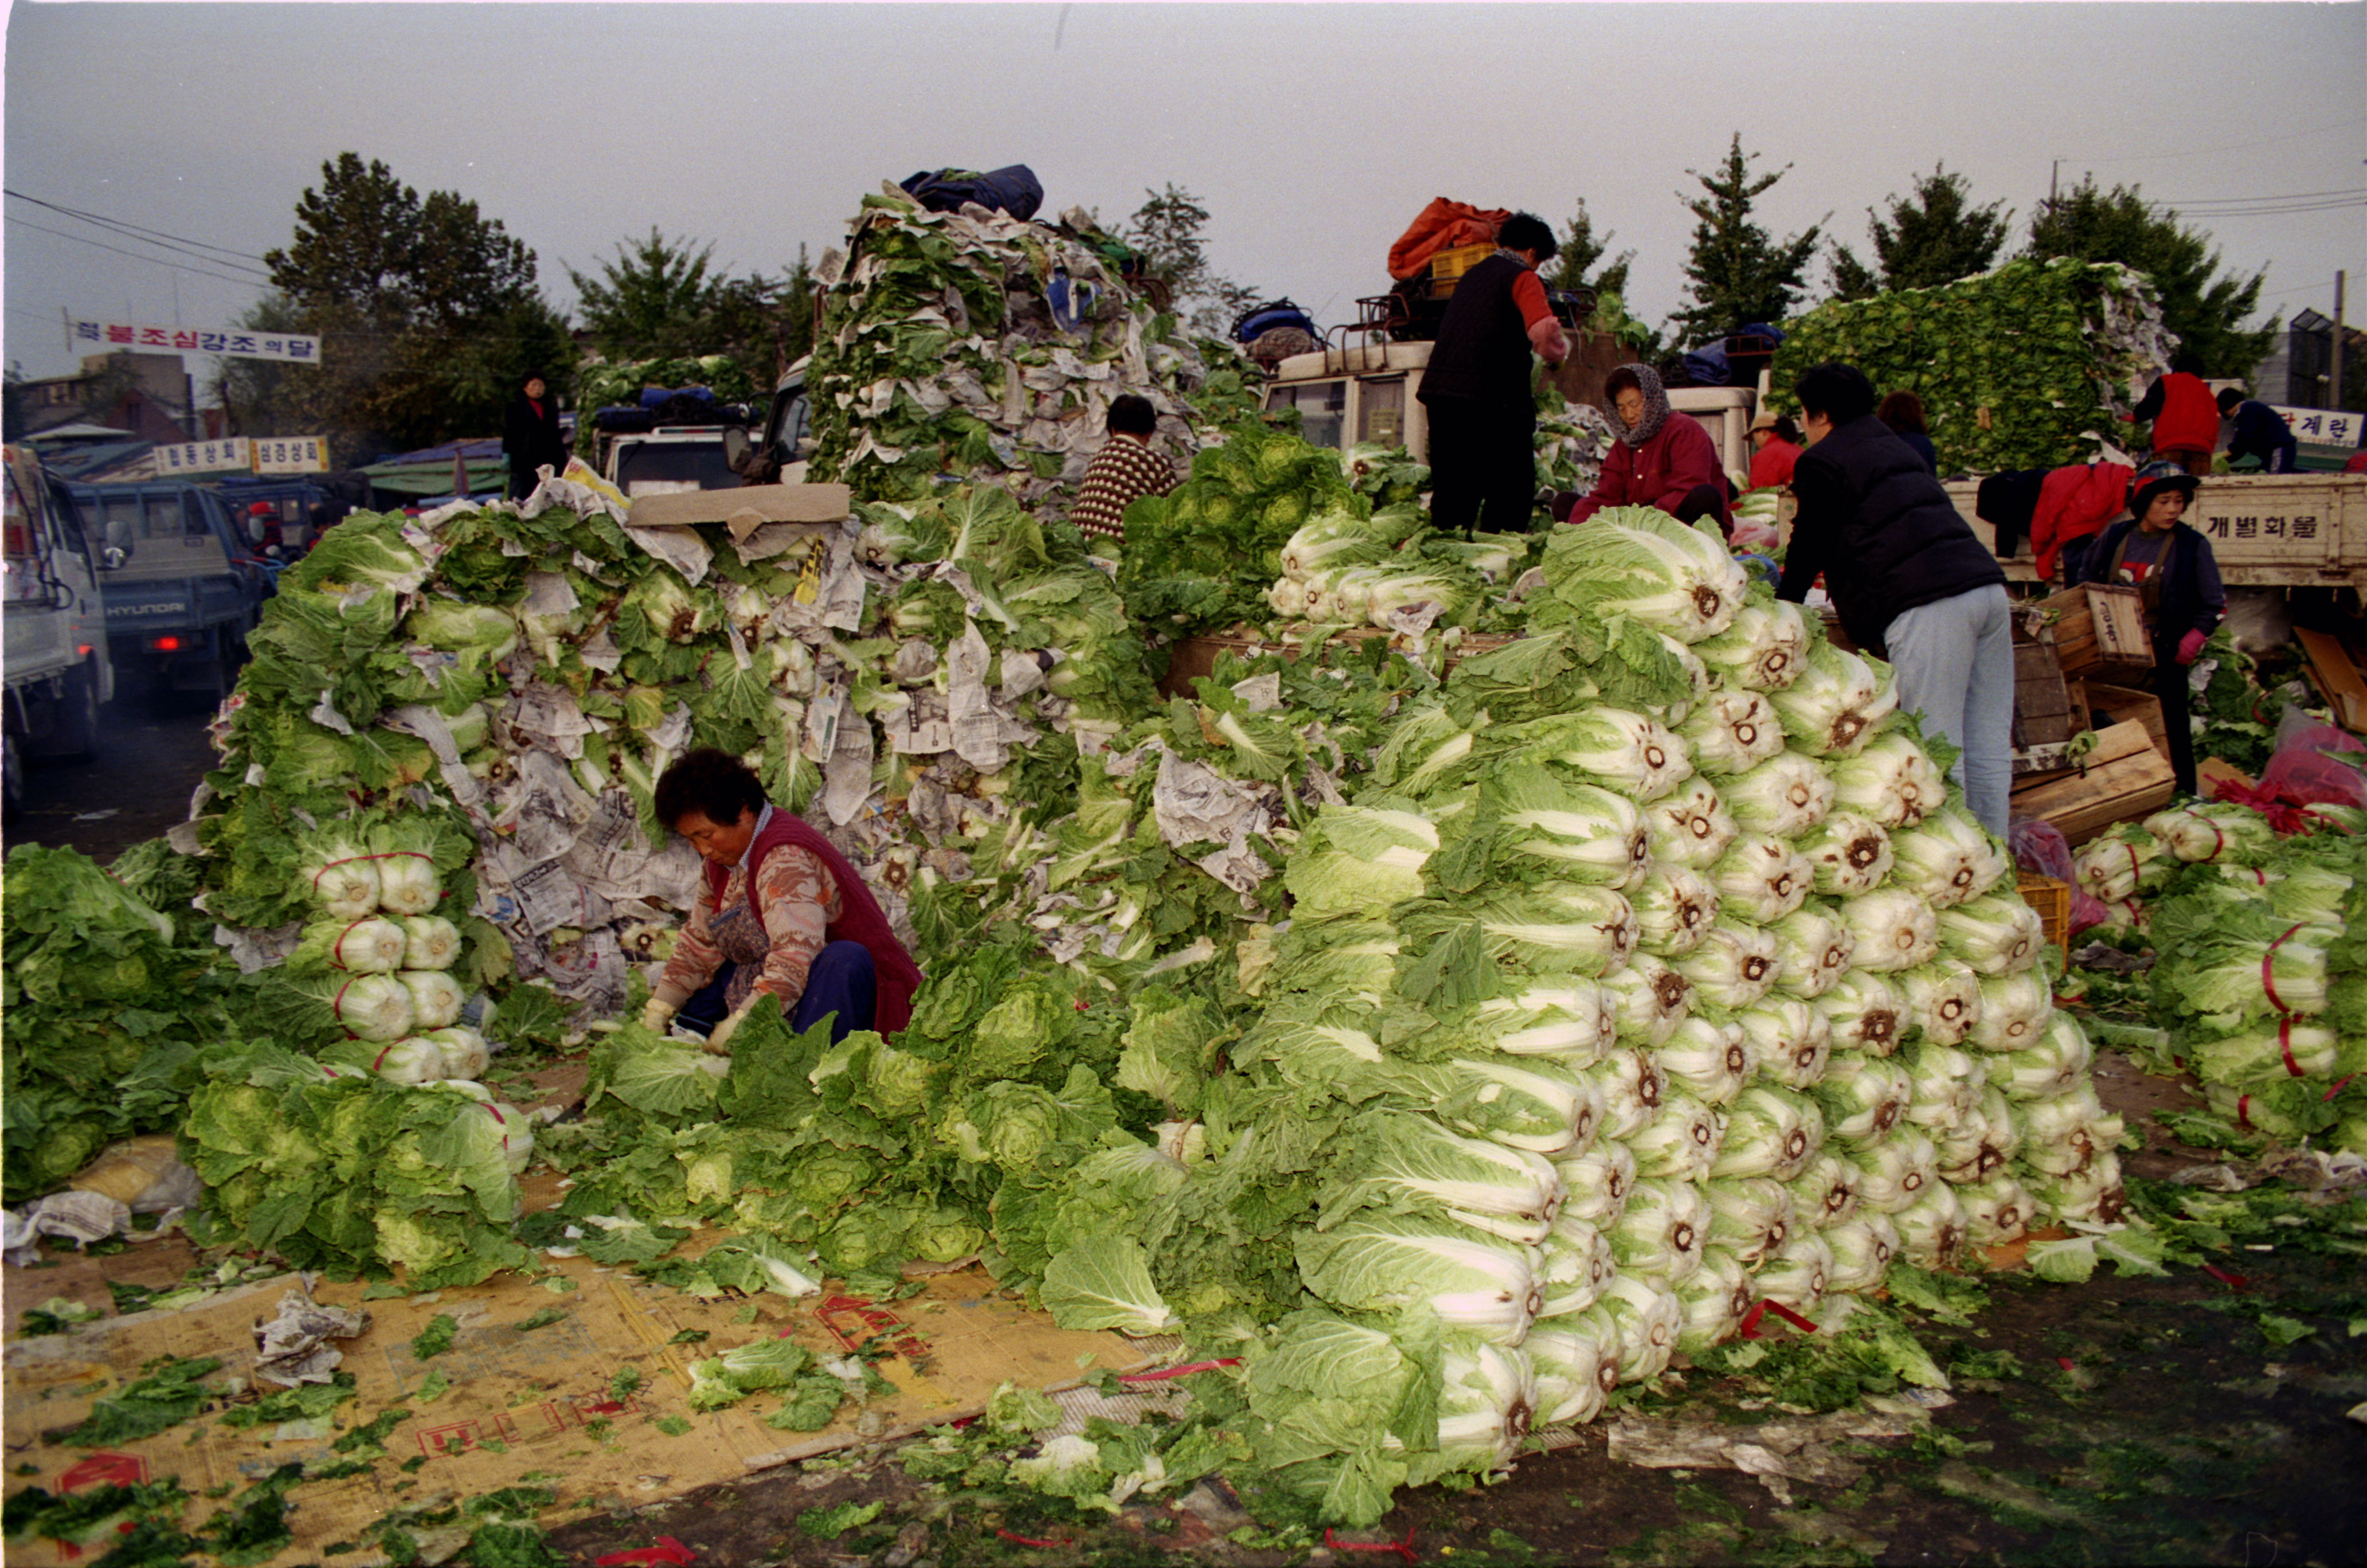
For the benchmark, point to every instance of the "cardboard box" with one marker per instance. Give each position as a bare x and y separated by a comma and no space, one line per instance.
744,510
2123,778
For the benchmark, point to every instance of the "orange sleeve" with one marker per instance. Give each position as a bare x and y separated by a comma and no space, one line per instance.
1529,293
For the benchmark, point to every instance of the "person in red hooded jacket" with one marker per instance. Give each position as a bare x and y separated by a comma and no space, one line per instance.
1662,458
2185,419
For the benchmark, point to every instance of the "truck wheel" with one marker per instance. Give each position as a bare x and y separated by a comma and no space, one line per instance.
12,782
78,732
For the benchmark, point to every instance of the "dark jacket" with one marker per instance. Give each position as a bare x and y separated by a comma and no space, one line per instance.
2188,593
1482,352
1921,446
530,440
2261,432
1876,522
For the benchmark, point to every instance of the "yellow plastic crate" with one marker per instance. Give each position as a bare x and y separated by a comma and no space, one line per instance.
1450,265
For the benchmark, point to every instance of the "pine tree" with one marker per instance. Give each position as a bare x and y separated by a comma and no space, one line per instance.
1736,274
1933,235
1573,268
2206,312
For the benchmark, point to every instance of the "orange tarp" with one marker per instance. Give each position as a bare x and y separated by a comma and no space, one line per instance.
1443,225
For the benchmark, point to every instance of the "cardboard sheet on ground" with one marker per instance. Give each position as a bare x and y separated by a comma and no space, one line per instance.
531,1405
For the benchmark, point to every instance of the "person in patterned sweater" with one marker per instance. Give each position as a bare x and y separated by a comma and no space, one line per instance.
1125,469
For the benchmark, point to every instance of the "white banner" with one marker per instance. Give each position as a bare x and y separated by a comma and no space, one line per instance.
2323,426
235,343
291,454
204,457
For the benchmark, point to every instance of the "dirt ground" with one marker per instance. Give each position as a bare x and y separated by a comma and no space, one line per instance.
135,786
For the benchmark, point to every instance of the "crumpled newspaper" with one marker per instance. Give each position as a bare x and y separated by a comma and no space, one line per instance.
81,1218
294,1348
1778,1452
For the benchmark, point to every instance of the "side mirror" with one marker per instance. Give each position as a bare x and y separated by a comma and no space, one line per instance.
119,537
111,559
735,448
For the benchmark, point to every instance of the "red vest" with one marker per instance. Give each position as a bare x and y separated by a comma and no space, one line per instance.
2189,420
860,918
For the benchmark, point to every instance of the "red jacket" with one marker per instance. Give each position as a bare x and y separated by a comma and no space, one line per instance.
1679,456
860,918
1771,464
2073,502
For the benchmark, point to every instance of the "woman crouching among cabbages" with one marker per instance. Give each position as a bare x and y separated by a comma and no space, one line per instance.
782,919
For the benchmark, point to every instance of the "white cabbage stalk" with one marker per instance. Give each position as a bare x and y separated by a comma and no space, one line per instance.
1638,757
1530,1106
1632,1085
1735,966
1663,1230
466,1055
2257,1057
1762,651
1649,1318
1770,1133
1486,1401
1569,1366
1675,907
2093,1195
1699,683
407,884
1893,929
1714,1300
343,878
1981,1145
1574,1264
1994,936
1333,538
1690,826
372,945
1574,1024
1850,854
435,997
412,1062
1379,1262
1790,1040
1838,704
1947,860
2015,1012
2063,1134
1895,1172
1944,999
429,941
1707,1058
1813,949
1995,1212
1597,1184
1762,879
1930,1229
1786,796
1586,834
1559,929
1801,1274
1651,1000
2126,860
1828,1192
1891,781
2056,1062
2221,832
1506,1192
1948,1085
1289,598
374,1007
1678,1144
1732,732
2309,894
1866,1013
1861,1252
517,1136
1863,1098
1750,1217
1639,562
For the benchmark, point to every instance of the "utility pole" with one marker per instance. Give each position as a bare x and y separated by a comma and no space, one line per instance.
2334,395
2054,176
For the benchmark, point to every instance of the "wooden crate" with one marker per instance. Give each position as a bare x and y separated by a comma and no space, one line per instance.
2041,699
2052,901
2125,778
2123,704
2100,631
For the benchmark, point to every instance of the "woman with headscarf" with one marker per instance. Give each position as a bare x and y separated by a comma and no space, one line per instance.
1661,459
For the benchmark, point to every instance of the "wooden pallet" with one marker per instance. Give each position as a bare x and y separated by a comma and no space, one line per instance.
2123,778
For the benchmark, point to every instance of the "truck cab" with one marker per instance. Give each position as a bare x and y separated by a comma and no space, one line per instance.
189,588
54,618
673,457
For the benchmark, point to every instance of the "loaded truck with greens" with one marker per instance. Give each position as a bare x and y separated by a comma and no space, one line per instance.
52,614
189,586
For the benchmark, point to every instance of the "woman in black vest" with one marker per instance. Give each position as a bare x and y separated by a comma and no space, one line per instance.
2174,571
1483,420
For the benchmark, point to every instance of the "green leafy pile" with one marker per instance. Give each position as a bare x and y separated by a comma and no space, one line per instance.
2018,367
107,1005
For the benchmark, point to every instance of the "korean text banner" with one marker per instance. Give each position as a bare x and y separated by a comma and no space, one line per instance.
236,344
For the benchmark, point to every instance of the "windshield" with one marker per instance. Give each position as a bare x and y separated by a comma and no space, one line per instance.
648,468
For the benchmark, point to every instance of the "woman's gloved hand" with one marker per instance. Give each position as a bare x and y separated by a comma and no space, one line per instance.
656,1015
719,1041
2190,647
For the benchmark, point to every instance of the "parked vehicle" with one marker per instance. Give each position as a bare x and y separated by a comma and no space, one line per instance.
190,586
58,667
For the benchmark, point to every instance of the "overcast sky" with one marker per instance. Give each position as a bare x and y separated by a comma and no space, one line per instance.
1312,133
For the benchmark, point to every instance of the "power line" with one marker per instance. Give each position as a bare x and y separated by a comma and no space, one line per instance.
2249,201
2234,146
134,230
152,261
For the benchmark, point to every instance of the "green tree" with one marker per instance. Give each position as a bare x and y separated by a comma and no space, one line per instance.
1933,235
661,298
1573,269
2206,312
1736,274
1166,230
427,310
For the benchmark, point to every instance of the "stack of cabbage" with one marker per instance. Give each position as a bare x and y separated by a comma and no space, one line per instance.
1342,568
1632,988
942,355
2134,858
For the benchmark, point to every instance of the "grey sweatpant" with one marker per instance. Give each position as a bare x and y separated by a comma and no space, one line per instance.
1955,659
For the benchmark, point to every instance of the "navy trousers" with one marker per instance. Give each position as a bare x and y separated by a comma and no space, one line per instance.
841,987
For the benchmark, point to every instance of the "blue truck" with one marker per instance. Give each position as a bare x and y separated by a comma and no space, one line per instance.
189,589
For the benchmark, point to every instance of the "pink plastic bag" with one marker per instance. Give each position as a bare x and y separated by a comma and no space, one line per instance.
2038,846
2303,775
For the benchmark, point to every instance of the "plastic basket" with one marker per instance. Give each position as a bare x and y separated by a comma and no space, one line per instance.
1449,265
2052,901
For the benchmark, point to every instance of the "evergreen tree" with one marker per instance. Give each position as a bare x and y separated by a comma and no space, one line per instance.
660,299
1165,230
1573,269
1736,273
2207,312
1933,235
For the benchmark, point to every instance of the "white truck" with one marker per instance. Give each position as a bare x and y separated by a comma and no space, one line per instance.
54,624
